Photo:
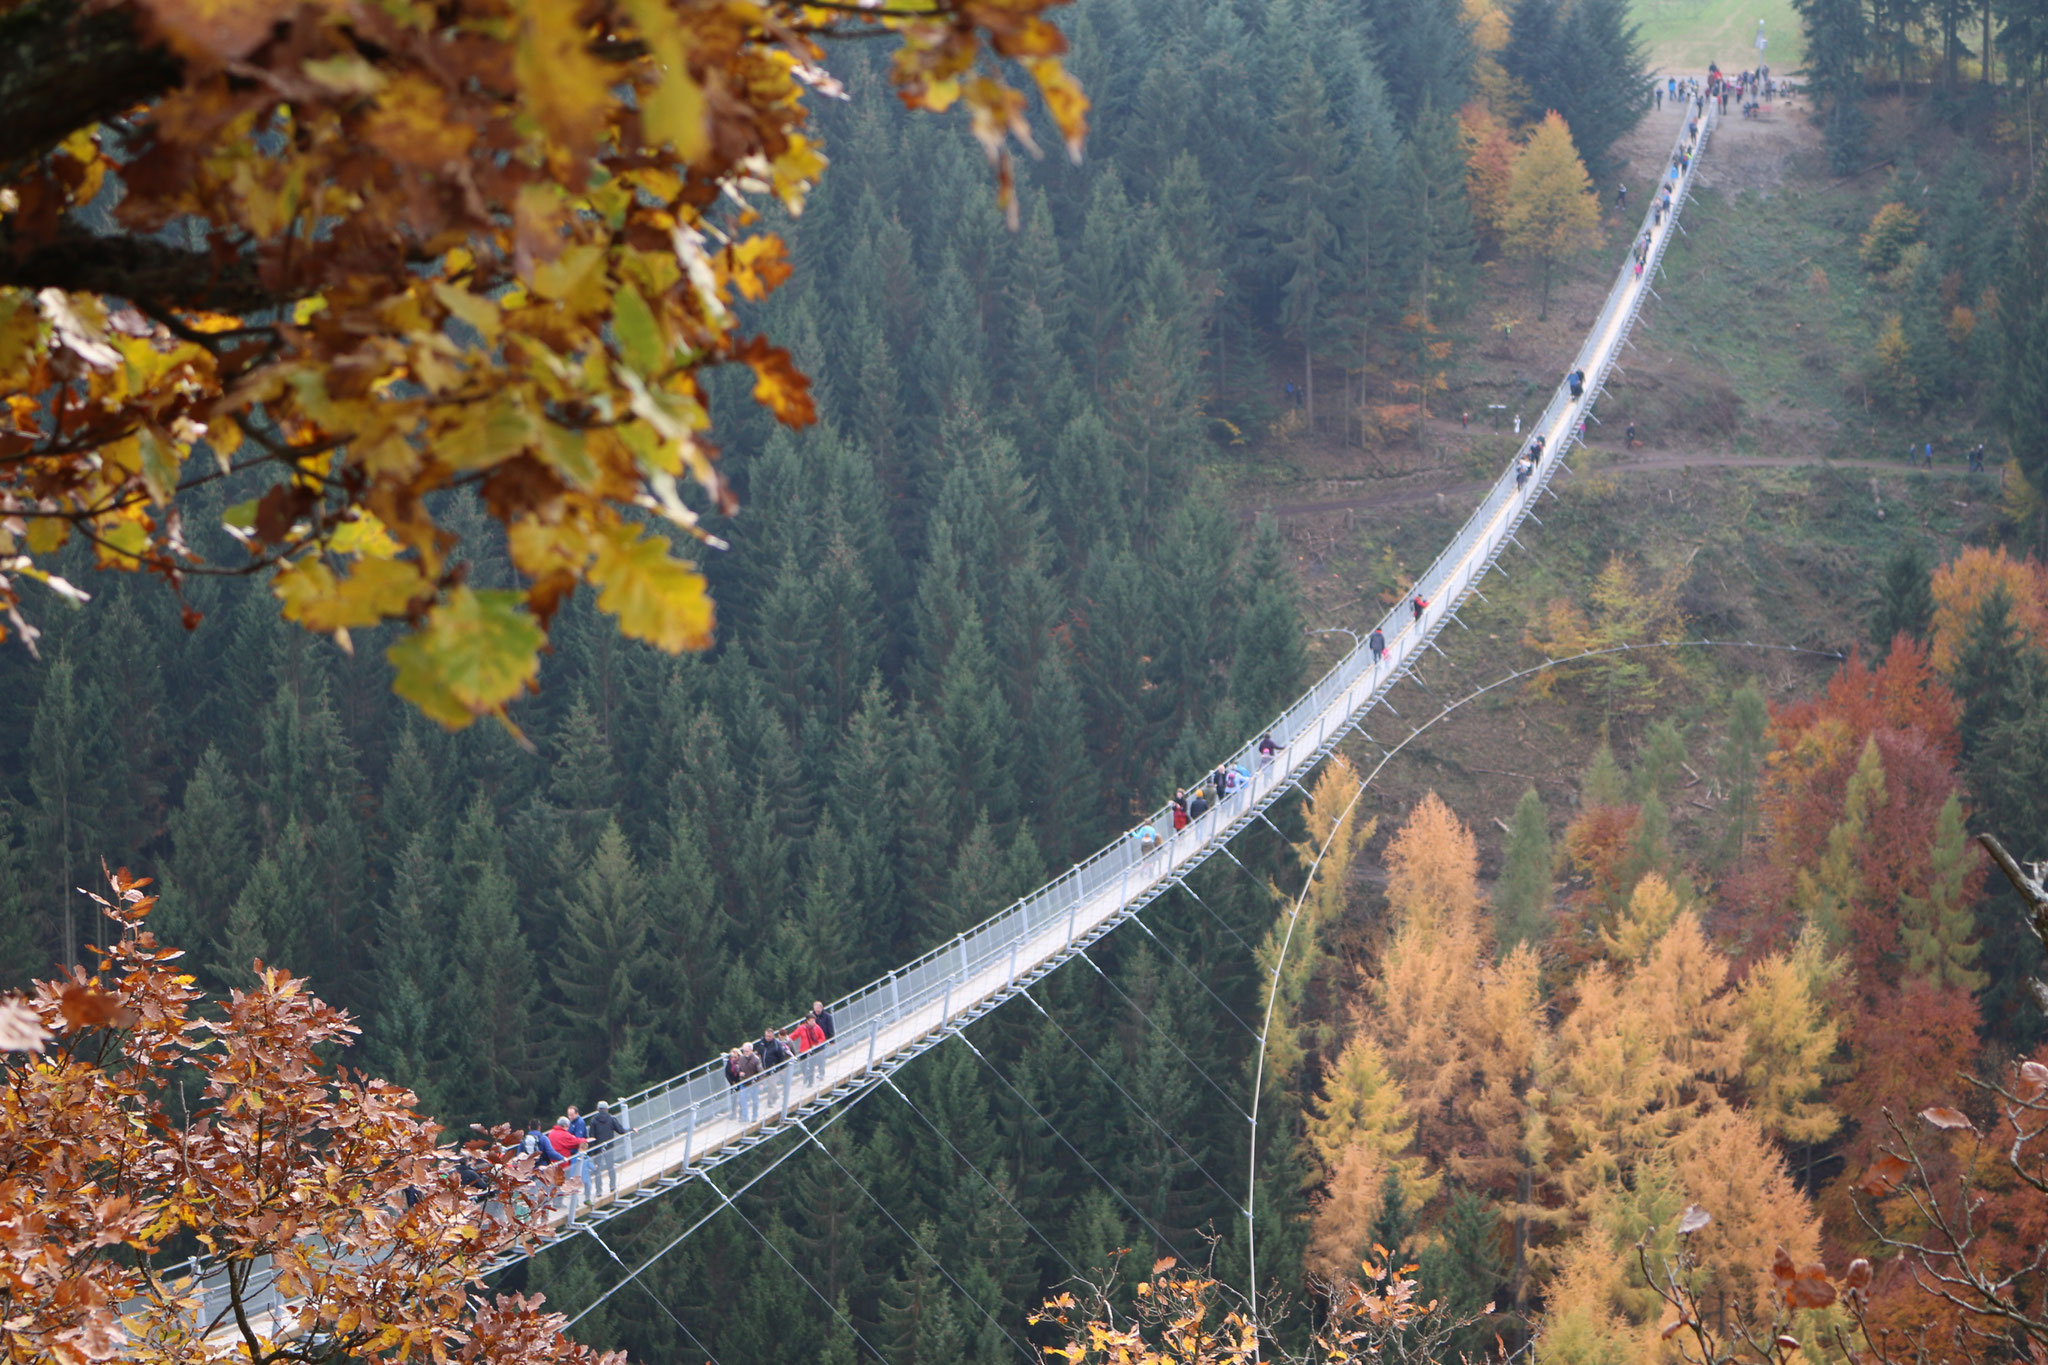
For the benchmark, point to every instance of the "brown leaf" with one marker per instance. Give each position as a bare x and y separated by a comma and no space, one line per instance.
1813,1288
1782,1269
2033,1080
1883,1176
1789,1343
1672,1329
87,1006
1941,1116
1693,1220
1857,1277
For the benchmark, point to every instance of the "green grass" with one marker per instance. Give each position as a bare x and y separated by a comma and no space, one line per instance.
1682,36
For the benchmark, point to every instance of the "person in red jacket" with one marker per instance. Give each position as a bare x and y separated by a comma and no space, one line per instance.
564,1140
809,1038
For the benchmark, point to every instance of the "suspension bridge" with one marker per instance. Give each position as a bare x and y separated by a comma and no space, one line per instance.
689,1125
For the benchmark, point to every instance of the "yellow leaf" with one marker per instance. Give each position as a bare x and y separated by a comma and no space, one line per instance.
473,654
121,544
565,88
477,311
363,536
487,433
656,597
376,590
673,112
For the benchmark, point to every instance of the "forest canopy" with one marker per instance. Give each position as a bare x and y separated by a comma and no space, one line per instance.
383,251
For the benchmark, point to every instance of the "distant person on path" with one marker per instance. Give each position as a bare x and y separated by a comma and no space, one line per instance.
605,1131
1977,459
1267,748
1929,454
1577,380
1621,197
1377,643
1630,440
1518,424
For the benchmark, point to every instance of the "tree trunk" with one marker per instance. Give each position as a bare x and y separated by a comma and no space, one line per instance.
1308,377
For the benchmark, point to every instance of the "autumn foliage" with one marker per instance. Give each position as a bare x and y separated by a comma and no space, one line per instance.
143,1125
381,251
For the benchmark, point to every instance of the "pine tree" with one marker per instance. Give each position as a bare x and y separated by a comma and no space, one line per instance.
1551,211
1986,666
411,974
64,822
1936,928
1828,893
1464,1271
1652,909
22,956
1301,217
209,858
975,730
268,919
501,1058
598,962
1736,766
1521,899
1601,784
1269,662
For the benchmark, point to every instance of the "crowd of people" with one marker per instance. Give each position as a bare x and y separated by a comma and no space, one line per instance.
749,1066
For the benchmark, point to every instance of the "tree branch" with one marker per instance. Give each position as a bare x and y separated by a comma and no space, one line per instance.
149,273
65,67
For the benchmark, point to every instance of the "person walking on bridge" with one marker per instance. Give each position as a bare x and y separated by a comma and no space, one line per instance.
1377,643
823,1017
1419,605
808,1038
606,1128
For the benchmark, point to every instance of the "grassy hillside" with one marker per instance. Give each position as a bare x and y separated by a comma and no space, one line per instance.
1684,35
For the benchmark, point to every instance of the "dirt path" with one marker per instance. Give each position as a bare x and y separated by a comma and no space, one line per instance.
1412,496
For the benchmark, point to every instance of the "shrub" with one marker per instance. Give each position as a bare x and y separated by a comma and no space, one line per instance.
1891,230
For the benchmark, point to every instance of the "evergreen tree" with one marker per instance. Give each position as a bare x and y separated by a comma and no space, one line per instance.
1300,221
268,920
1986,668
1936,927
500,1056
411,975
64,823
1521,901
599,961
1465,1271
1585,62
209,856
22,958
1905,601
1736,767
1269,661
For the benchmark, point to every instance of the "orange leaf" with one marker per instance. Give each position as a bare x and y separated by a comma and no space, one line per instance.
1813,1288
779,385
86,1006
1164,1263
1884,1174
1857,1277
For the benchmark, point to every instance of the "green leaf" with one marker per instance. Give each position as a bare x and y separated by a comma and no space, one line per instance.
640,343
474,653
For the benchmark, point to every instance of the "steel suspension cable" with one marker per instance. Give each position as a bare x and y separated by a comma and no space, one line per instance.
1107,1183
1142,1110
994,1188
808,1282
916,1242
706,1350
1110,981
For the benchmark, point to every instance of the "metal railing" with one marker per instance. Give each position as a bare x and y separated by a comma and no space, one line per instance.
686,1121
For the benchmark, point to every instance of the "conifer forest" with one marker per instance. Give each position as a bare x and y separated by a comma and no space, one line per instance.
732,496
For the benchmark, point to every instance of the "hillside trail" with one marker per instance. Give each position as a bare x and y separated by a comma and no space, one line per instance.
1411,497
